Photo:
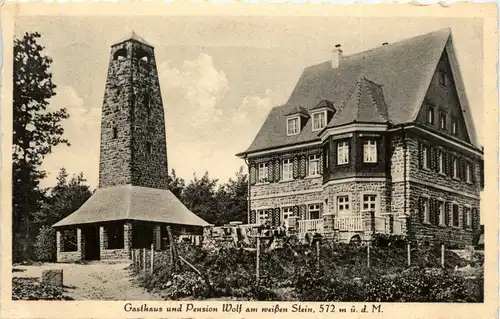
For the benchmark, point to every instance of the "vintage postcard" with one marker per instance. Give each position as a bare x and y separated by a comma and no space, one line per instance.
241,160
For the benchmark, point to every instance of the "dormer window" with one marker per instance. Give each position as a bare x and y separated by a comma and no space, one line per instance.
442,121
319,120
454,126
430,114
293,126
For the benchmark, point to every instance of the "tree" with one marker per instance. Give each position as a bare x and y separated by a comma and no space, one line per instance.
64,199
175,184
35,132
231,199
199,197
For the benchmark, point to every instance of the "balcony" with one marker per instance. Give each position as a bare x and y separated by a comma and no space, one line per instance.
310,226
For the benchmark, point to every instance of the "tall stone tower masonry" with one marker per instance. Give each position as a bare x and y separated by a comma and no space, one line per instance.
133,144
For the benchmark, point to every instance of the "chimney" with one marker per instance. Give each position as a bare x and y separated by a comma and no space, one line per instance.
336,56
385,45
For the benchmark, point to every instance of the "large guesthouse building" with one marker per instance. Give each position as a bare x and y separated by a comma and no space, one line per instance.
378,141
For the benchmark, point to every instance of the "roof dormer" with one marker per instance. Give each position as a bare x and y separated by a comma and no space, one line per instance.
321,114
296,119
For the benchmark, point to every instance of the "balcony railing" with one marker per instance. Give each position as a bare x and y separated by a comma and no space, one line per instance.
310,225
348,223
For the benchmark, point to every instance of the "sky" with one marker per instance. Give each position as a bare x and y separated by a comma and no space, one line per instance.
219,76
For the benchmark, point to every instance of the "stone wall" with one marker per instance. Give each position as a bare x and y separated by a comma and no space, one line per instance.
451,235
133,143
115,254
68,256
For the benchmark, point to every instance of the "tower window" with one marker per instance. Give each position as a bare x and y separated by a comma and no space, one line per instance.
115,132
120,54
149,148
443,79
142,56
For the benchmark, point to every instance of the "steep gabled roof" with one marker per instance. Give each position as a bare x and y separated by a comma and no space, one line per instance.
403,70
364,104
127,202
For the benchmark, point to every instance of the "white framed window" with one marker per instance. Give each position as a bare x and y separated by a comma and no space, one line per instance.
430,115
263,173
455,215
287,212
370,151
441,162
455,167
468,172
342,153
425,157
287,169
426,209
262,216
319,120
370,202
441,212
454,126
313,165
343,205
293,126
314,211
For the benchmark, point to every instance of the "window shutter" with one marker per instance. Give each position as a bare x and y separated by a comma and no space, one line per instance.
320,163
302,166
276,216
421,209
472,173
277,175
296,211
462,169
446,167
475,219
253,174
431,211
302,212
436,159
420,157
450,165
430,158
464,217
270,171
447,212
321,209
295,167
253,217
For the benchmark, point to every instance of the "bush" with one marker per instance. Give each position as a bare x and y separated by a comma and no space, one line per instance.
45,245
413,285
31,289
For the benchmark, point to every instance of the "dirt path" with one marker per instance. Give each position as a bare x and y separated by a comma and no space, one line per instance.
94,281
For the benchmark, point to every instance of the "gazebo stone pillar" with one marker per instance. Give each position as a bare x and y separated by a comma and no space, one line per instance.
80,240
59,241
103,238
127,237
157,237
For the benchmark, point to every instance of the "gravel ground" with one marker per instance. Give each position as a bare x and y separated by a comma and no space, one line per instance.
93,281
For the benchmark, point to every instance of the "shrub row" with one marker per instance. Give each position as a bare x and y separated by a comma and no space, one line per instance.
31,289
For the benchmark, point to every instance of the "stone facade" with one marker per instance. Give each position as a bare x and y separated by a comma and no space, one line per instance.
133,145
398,190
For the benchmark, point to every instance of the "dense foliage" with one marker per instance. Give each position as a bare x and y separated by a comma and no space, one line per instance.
292,273
36,130
217,204
45,245
31,289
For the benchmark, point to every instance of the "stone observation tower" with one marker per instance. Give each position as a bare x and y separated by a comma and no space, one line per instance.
133,144
132,206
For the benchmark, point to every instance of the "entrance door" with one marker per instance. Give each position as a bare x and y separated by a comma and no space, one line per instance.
92,243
